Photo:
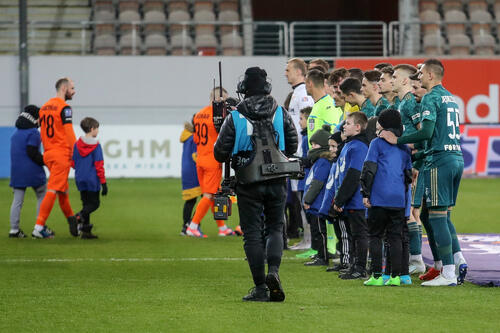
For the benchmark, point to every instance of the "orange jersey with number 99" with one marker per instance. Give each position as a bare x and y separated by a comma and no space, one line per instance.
205,136
55,115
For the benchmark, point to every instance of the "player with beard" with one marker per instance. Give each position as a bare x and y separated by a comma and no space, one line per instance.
58,139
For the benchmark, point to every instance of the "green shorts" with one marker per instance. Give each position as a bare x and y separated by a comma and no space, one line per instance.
442,182
417,191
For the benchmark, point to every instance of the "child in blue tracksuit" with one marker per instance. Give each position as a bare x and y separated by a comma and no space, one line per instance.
189,177
386,167
314,190
348,199
26,166
89,174
336,143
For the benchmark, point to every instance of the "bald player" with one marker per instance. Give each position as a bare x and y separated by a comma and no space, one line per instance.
58,139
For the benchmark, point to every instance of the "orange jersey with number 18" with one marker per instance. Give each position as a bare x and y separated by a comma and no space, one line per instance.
205,136
54,116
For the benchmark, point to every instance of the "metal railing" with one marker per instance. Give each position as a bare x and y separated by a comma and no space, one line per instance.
338,38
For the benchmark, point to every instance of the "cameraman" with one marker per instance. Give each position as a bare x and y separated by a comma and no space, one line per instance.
259,200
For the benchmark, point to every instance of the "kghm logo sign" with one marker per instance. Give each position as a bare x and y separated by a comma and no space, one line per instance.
115,148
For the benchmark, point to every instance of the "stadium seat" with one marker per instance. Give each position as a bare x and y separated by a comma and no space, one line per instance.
232,40
433,44
155,44
459,44
455,22
431,21
181,44
126,19
232,52
480,21
477,5
206,44
201,5
127,44
452,5
126,5
153,5
229,16
228,5
484,44
106,5
154,22
106,18
105,45
178,16
204,16
177,5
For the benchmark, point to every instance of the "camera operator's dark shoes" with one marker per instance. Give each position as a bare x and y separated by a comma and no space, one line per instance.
256,295
73,225
316,262
276,293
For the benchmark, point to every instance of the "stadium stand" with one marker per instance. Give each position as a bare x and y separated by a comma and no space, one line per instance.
53,33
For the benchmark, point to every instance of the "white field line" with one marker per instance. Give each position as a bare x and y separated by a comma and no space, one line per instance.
71,260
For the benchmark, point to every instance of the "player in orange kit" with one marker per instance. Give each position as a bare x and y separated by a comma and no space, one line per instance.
58,139
209,170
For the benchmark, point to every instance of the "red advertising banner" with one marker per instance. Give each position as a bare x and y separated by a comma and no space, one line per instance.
474,82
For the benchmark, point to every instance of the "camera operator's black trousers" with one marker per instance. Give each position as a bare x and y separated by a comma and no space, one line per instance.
262,239
388,222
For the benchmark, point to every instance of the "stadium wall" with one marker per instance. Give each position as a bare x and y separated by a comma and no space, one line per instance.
141,103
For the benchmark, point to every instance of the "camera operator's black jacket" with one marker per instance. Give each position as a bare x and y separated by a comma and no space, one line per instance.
254,108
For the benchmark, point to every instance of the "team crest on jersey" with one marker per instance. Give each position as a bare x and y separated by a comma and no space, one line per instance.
311,124
68,112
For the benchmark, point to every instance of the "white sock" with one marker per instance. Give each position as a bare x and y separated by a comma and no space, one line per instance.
193,225
438,265
449,272
38,227
458,257
223,228
416,257
13,231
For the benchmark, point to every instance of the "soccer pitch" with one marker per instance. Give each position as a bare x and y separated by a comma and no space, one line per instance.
141,276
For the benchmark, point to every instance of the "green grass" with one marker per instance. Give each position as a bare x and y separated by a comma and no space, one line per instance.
165,291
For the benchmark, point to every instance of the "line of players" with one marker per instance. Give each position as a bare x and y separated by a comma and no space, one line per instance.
338,188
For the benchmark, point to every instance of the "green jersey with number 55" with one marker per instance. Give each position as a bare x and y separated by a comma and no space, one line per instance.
439,106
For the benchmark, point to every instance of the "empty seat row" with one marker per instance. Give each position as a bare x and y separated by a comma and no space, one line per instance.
459,44
157,44
456,4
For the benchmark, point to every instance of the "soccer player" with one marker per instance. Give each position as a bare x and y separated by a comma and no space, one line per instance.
385,85
336,77
324,111
351,90
410,116
379,66
26,166
58,139
370,89
295,73
319,64
443,168
208,169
